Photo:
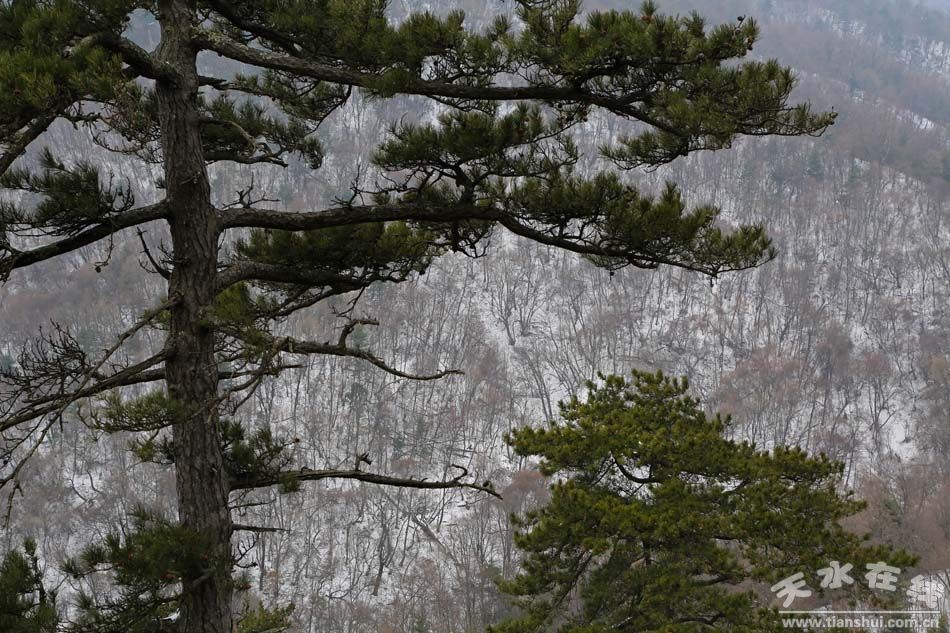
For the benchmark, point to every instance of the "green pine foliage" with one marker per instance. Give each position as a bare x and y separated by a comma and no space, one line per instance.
44,61
25,605
384,251
147,562
239,309
477,148
254,453
240,128
654,230
659,522
248,453
673,73
151,412
70,197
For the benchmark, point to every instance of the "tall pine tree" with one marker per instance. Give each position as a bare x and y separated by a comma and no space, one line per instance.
500,157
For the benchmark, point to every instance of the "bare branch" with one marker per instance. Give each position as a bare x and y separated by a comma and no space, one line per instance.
294,346
136,374
258,159
59,407
240,527
161,270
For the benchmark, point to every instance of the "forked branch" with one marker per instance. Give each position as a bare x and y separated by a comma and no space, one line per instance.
294,346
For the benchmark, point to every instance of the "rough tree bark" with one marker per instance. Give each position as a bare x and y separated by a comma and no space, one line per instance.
191,371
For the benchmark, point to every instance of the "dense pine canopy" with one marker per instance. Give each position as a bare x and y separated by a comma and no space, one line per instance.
660,522
675,75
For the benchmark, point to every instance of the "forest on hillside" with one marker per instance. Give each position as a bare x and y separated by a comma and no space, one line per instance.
839,345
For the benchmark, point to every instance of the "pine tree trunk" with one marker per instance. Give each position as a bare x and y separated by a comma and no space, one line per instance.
191,370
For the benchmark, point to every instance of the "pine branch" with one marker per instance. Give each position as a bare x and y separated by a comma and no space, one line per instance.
229,12
273,273
350,215
11,258
305,474
137,374
553,236
242,159
623,104
158,268
18,143
137,58
631,104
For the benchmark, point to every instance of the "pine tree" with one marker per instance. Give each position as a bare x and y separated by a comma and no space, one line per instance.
25,604
499,157
659,522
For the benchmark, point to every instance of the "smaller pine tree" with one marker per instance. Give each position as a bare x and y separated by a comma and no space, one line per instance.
25,604
659,522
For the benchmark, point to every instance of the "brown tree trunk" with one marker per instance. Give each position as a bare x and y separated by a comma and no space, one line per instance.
191,370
